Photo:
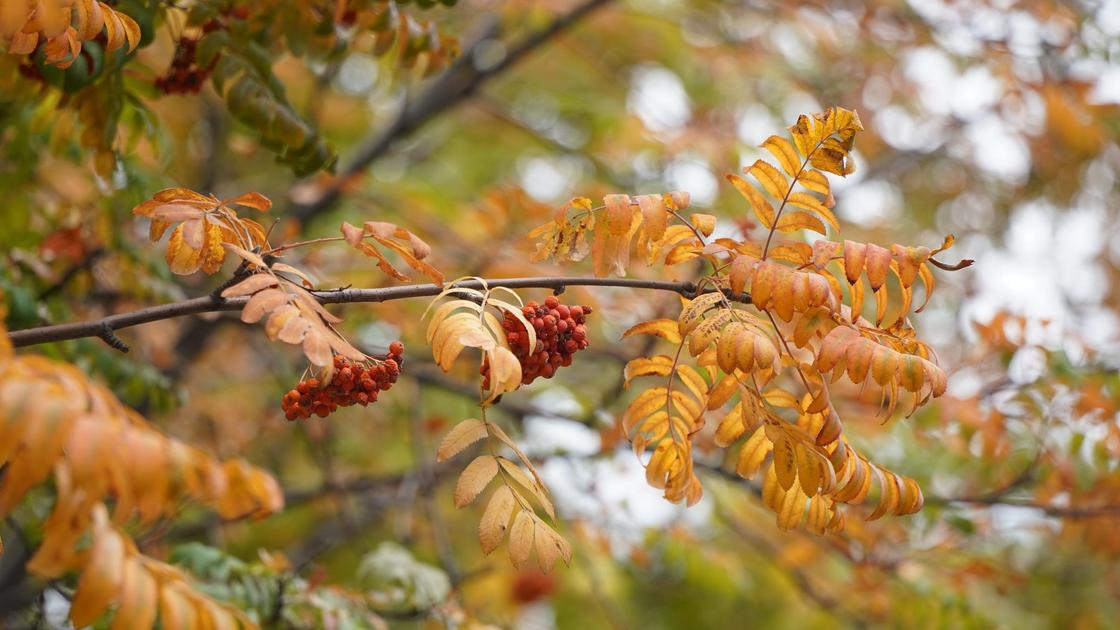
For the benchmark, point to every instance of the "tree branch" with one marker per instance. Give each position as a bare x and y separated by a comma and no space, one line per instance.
210,303
455,85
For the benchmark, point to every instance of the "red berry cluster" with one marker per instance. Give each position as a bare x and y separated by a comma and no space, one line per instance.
184,76
353,384
560,334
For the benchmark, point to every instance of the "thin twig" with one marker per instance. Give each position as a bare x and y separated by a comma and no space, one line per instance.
209,304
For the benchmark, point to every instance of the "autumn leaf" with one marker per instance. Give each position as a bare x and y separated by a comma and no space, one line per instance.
204,227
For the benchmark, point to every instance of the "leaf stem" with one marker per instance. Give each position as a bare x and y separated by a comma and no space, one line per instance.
789,191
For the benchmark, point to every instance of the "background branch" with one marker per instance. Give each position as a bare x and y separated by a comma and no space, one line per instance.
459,83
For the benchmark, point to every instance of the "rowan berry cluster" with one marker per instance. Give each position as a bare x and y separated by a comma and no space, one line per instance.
560,334
184,76
354,383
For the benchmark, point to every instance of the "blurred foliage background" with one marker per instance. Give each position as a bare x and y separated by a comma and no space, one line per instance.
993,120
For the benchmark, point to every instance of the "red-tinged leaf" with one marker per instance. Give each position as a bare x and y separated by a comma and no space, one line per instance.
654,216
740,273
420,249
253,200
382,262
381,229
412,261
619,214
855,257
246,255
878,264
352,233
175,212
909,259
883,364
280,267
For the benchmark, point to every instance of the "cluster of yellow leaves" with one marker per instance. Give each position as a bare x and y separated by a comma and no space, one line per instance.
465,322
62,26
113,573
295,316
411,248
666,418
413,44
53,419
812,467
651,223
512,501
821,142
204,226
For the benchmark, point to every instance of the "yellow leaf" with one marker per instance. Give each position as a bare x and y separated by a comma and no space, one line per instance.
251,285
521,539
809,202
773,181
705,223
667,329
103,573
533,485
660,365
761,206
495,519
784,152
816,182
460,437
138,598
549,546
691,314
263,302
785,462
474,478
794,221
